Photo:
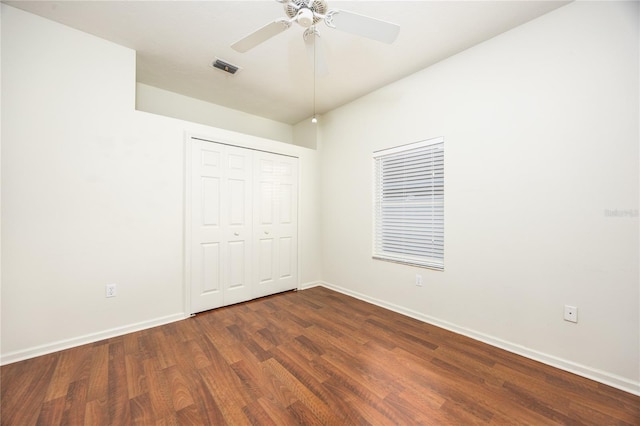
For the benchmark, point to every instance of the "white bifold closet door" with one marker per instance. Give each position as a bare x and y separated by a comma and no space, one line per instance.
243,224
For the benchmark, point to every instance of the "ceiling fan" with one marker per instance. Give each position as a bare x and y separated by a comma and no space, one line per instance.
307,13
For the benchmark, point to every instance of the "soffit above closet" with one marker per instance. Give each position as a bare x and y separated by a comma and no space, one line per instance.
177,41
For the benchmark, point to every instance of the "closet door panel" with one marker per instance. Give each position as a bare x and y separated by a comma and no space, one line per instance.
237,213
207,264
275,223
287,222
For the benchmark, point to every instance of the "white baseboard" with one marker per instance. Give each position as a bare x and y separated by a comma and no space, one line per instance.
604,377
309,285
35,351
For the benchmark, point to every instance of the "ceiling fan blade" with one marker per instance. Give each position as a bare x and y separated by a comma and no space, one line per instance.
261,35
361,25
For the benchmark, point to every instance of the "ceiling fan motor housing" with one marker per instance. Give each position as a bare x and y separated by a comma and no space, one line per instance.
306,14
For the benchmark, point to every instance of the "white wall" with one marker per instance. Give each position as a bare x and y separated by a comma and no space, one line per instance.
158,101
541,139
93,193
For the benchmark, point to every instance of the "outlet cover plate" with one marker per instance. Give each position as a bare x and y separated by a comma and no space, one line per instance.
570,313
110,290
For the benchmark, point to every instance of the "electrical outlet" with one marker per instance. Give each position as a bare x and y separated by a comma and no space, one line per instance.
570,313
419,280
110,290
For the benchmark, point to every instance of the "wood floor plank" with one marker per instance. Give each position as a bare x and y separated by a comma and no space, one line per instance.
364,414
611,402
231,349
304,372
76,401
315,406
136,379
99,375
225,386
146,345
22,402
257,415
52,411
303,415
207,408
299,355
180,388
165,355
190,416
159,392
413,410
141,410
276,412
226,394
366,372
197,354
170,420
97,412
467,396
536,403
62,375
308,357
358,389
587,414
118,390
130,342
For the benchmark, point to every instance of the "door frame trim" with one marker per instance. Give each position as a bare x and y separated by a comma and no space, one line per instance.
187,199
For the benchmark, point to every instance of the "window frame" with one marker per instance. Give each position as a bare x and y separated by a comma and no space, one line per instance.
399,205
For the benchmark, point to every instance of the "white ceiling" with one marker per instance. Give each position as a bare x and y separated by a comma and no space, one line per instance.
176,42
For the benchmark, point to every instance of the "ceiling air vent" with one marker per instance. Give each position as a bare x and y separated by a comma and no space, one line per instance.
224,66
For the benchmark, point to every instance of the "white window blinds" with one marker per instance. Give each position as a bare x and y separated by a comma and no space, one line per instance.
409,204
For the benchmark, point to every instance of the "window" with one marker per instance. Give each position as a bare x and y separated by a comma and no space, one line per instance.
409,204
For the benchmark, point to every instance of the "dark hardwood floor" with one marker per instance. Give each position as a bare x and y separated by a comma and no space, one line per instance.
307,357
